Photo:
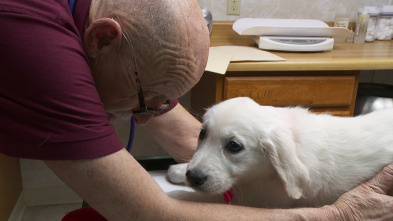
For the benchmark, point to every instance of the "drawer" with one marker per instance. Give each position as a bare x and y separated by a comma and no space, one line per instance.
309,91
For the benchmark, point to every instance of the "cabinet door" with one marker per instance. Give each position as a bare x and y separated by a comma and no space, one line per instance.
10,185
334,94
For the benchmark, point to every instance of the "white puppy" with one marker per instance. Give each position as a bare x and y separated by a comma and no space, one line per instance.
283,157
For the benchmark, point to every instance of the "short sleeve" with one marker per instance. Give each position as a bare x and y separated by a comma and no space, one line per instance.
49,106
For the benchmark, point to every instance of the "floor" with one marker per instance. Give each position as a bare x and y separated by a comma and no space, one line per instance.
50,212
57,212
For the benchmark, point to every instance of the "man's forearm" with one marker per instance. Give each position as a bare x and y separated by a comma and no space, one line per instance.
120,189
202,211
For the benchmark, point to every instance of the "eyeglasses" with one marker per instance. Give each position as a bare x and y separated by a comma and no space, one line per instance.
143,109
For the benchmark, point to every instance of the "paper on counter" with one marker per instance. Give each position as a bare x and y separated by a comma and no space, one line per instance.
218,60
221,56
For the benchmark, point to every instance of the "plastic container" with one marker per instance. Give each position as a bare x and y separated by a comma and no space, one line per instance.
352,26
374,13
384,29
361,27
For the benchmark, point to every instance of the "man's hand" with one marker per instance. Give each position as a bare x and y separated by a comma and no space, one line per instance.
368,201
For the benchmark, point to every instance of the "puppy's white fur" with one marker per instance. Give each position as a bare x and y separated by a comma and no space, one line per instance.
291,157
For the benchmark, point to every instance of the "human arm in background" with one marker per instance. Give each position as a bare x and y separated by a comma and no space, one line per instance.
176,132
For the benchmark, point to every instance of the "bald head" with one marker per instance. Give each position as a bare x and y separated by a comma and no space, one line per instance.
170,41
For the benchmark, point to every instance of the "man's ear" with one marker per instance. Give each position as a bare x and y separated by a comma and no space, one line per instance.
101,36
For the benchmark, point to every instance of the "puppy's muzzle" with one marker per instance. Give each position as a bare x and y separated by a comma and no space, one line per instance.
196,177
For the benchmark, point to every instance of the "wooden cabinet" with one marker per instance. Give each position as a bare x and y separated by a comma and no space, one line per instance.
321,91
10,185
322,81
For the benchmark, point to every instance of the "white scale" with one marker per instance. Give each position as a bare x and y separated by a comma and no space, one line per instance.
302,35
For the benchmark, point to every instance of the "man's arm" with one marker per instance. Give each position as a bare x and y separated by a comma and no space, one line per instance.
120,189
176,132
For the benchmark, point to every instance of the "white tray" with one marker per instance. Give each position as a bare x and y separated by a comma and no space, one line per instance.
287,27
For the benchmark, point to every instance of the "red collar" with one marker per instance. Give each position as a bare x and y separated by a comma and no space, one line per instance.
228,196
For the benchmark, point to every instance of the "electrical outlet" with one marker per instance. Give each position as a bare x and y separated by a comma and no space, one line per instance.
233,7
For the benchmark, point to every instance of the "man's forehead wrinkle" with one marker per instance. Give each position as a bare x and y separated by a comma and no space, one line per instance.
173,62
177,72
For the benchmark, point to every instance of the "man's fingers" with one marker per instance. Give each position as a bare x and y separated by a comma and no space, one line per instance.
383,181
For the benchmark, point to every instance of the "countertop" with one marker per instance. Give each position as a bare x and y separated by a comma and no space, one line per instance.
377,55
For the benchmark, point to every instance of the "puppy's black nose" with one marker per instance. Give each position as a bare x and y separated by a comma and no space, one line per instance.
196,177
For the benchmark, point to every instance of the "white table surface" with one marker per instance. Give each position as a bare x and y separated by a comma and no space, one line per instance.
160,177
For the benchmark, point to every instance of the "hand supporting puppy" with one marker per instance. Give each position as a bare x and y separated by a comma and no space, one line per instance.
368,201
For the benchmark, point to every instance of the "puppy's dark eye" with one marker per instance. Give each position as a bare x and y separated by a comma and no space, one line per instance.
234,147
202,134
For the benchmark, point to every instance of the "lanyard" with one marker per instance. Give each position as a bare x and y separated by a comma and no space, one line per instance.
71,4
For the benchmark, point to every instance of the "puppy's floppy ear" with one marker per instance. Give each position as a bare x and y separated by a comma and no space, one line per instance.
101,36
282,153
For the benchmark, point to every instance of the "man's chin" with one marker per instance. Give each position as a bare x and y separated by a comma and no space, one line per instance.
142,119
122,115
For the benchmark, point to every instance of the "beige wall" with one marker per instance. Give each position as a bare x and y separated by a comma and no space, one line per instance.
305,9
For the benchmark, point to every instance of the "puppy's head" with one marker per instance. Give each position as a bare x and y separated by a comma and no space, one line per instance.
241,141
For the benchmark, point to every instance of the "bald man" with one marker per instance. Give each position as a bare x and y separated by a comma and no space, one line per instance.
66,69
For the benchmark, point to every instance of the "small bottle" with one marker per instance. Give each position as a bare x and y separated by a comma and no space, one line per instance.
374,12
341,19
361,27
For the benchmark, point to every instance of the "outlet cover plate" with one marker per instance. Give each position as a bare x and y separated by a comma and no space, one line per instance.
233,7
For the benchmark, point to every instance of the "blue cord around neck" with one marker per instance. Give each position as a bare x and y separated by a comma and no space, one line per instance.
131,136
71,4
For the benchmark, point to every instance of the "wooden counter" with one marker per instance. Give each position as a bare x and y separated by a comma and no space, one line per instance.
377,55
321,81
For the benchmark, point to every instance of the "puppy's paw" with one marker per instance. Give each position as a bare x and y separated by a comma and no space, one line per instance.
177,173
